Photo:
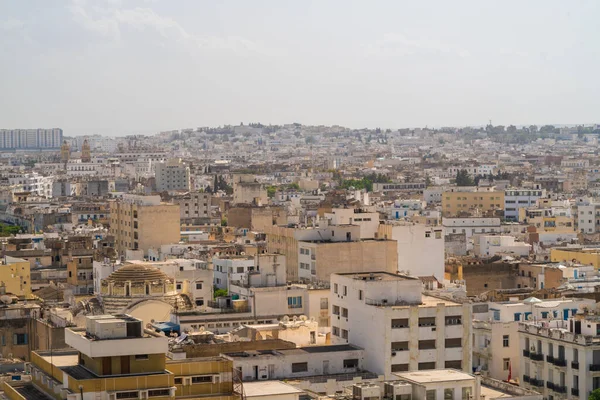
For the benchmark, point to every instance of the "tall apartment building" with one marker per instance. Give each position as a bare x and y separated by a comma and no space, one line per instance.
143,222
561,358
496,345
414,331
194,205
479,202
172,175
11,139
514,199
588,218
114,357
15,276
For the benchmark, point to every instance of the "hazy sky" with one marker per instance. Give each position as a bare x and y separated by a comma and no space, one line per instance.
119,67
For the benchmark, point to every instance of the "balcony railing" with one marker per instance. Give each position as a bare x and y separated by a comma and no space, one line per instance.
536,356
575,392
574,365
550,385
560,362
550,359
526,378
560,389
594,367
536,382
525,353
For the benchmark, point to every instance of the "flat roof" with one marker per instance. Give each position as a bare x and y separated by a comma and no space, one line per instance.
269,388
431,301
377,275
61,360
435,375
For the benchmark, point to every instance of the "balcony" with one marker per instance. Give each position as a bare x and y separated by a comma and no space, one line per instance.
595,367
574,365
536,356
536,382
525,353
526,378
550,359
575,392
550,385
560,389
560,362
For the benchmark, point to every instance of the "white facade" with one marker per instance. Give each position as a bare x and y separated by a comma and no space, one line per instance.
32,182
231,269
490,245
588,218
31,138
496,343
296,363
368,221
399,328
172,175
561,358
519,198
420,249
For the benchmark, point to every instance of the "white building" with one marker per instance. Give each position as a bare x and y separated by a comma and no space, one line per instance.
496,345
588,218
561,359
520,198
231,269
490,245
420,248
31,182
368,221
172,175
298,363
470,226
412,331
194,205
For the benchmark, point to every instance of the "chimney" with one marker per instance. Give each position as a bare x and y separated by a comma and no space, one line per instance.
477,394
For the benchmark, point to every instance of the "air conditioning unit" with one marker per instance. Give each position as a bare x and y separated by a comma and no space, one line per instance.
362,391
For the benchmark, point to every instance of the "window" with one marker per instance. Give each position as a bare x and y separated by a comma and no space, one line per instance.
335,310
335,288
198,285
455,342
324,303
240,270
360,294
345,291
344,334
449,394
399,346
453,320
178,286
506,363
299,367
335,331
202,379
400,323
20,338
141,356
505,341
351,363
295,302
466,392
127,395
426,365
159,392
427,321
453,364
426,344
344,312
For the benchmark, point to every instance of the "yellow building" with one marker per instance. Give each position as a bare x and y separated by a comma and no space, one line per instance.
115,358
547,220
15,276
143,222
467,203
80,274
579,256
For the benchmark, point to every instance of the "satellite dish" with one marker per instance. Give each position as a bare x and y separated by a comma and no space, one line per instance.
295,318
6,299
303,318
285,319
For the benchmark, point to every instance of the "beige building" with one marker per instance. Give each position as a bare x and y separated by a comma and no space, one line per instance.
318,260
172,175
246,190
143,222
467,203
15,276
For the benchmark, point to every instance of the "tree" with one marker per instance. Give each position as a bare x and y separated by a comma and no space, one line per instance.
219,292
463,178
595,395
